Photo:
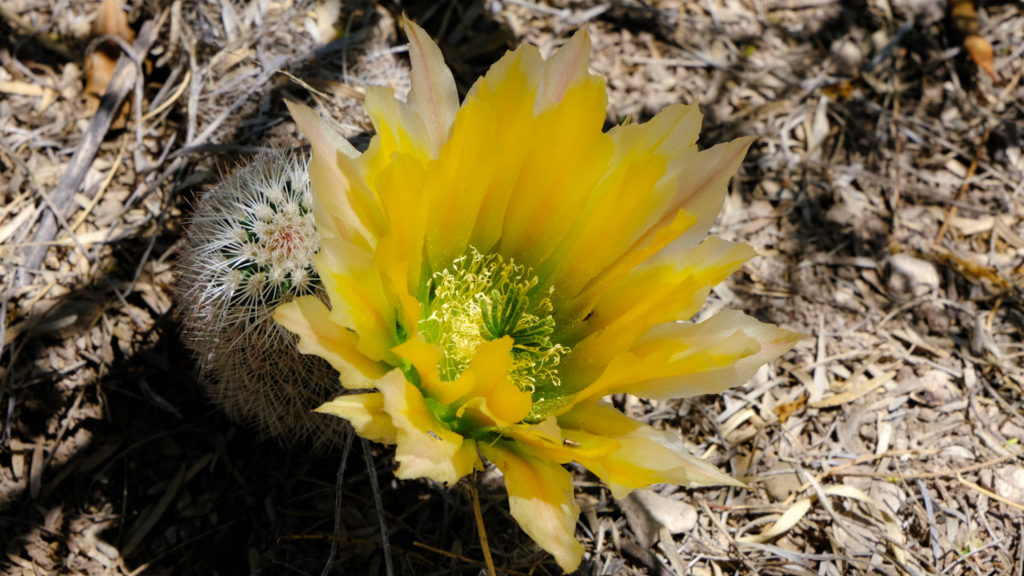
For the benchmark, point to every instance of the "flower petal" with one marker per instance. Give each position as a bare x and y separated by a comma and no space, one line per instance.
645,455
616,215
683,360
477,195
697,182
507,91
399,129
695,188
565,67
338,345
671,287
541,499
459,181
366,414
399,254
433,93
358,298
425,358
563,446
496,400
424,447
351,212
569,154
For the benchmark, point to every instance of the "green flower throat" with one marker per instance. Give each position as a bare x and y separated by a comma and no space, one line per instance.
481,298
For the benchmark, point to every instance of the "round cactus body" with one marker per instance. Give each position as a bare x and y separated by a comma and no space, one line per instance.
248,248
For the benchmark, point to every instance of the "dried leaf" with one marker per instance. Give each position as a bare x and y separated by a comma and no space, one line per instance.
858,392
964,17
965,23
111,20
787,409
789,518
981,52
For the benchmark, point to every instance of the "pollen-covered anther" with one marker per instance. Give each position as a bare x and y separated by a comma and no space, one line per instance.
480,298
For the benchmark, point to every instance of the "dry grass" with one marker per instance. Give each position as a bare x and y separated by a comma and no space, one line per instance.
884,193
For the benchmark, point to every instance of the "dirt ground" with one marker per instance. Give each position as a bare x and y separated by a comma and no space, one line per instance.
884,194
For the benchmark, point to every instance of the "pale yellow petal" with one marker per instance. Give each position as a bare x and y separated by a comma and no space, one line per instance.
670,287
616,213
544,164
366,414
691,191
399,129
681,360
465,172
425,448
645,455
425,358
541,499
307,317
566,67
399,253
433,93
321,135
341,208
548,439
697,184
358,299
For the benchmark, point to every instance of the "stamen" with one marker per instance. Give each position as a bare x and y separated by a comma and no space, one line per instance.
481,298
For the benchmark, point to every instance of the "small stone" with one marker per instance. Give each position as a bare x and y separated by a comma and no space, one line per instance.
911,277
647,512
781,486
848,57
1009,483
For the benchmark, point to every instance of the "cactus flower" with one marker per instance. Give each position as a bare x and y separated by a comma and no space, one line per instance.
496,269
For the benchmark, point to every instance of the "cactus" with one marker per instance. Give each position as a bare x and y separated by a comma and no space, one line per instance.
248,248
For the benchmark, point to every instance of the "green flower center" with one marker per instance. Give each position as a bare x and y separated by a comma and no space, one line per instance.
481,298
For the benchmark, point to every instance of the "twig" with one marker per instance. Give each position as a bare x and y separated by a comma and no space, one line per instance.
972,554
103,187
1020,550
481,529
337,503
951,213
933,475
171,99
894,199
463,559
989,493
8,386
123,80
385,543
930,511
887,50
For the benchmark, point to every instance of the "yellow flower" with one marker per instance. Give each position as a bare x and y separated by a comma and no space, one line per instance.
497,268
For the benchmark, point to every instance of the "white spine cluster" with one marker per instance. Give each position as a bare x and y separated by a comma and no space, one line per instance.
248,248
